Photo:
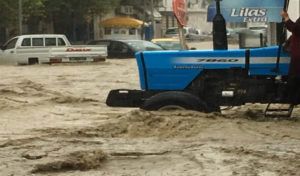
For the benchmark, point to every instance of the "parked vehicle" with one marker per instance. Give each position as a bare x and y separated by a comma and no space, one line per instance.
258,28
168,43
252,37
48,48
189,33
125,48
232,33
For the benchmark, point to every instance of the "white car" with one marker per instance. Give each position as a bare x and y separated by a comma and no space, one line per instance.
48,48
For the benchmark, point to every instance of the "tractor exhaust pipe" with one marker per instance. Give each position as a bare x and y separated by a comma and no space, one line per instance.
219,30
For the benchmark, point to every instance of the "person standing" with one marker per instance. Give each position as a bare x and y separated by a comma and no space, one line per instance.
294,68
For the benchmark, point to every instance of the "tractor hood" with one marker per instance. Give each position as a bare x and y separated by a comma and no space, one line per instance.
175,70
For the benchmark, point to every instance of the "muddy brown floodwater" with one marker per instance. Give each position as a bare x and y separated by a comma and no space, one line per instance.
54,121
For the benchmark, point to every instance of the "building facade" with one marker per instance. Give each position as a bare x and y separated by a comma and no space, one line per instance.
197,15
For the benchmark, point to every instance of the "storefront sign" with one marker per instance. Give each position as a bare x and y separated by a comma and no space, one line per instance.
248,10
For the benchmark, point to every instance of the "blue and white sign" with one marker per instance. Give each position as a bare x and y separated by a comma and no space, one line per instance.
248,10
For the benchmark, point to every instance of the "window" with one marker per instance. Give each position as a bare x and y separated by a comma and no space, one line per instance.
116,31
107,31
119,47
123,31
128,10
185,30
132,31
10,44
172,31
50,41
26,42
37,42
61,42
203,5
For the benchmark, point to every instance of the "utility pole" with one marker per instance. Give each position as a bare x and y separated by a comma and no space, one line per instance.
152,18
143,33
20,17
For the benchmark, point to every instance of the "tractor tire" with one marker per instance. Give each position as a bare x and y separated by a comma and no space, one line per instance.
174,100
214,108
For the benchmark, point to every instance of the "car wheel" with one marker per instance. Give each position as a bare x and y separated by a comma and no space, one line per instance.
175,100
32,61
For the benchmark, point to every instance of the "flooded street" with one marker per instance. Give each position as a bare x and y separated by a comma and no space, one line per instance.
54,121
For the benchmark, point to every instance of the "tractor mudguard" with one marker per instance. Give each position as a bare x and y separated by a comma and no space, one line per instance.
127,98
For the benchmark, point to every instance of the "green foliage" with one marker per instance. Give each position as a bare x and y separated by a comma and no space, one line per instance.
70,17
33,8
46,9
8,12
80,7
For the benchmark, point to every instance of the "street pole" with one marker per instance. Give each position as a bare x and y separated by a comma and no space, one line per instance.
143,33
152,18
20,17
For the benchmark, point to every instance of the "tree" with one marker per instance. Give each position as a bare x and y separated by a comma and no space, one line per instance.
73,17
61,16
8,17
33,11
33,14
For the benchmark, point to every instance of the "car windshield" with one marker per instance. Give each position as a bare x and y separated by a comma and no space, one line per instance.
141,45
175,31
257,28
172,31
169,45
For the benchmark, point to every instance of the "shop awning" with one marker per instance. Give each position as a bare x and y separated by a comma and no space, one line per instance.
122,22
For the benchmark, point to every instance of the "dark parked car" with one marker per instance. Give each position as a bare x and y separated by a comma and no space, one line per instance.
168,43
125,48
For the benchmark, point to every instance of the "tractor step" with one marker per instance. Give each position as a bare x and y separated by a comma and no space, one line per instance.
279,110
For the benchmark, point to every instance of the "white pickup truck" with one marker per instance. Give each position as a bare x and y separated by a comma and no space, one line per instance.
48,48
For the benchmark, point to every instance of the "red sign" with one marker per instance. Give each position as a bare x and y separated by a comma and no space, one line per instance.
77,49
180,11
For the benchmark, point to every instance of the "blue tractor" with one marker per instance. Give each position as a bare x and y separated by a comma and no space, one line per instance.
204,80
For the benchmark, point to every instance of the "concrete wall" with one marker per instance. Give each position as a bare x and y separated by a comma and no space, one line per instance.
197,16
294,9
198,19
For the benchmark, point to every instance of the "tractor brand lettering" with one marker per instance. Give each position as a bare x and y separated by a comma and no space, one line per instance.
188,67
250,14
217,60
78,49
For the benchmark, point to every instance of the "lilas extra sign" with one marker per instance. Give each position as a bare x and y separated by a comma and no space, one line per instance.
248,10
